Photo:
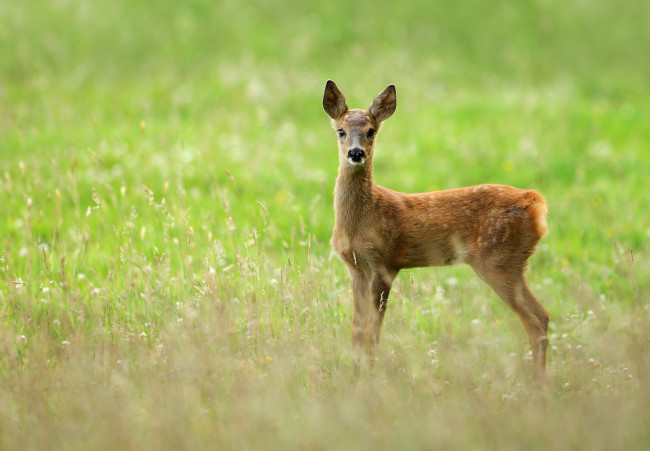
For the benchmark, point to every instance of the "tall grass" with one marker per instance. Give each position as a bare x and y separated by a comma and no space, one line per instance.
165,194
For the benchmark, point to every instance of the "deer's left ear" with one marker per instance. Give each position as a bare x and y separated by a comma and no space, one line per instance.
384,104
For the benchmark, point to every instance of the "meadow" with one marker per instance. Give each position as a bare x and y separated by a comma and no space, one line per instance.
166,179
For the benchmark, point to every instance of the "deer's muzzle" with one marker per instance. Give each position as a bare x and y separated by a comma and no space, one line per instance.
356,155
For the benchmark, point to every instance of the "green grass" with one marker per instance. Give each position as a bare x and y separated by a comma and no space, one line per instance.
166,279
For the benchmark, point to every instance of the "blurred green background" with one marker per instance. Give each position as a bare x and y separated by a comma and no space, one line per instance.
531,94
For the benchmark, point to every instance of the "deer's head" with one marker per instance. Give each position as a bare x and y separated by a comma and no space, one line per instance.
356,129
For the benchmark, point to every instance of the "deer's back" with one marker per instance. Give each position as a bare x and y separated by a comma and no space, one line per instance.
493,223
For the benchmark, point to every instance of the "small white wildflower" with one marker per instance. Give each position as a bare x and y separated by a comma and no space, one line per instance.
476,321
65,342
45,290
19,283
143,335
212,270
22,252
81,276
231,224
439,295
95,292
452,281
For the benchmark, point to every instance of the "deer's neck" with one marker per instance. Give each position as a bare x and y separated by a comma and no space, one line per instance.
353,196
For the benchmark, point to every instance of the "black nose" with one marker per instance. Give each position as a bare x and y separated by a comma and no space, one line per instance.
356,154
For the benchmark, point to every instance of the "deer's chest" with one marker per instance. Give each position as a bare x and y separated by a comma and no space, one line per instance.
358,252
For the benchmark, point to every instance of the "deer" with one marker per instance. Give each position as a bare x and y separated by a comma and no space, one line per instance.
378,232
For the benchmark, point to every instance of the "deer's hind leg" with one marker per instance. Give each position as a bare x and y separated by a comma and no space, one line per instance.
511,286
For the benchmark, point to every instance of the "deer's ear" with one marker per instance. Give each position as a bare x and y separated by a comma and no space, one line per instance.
333,101
384,104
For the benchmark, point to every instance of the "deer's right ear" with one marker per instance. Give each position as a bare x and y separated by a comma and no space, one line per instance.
333,101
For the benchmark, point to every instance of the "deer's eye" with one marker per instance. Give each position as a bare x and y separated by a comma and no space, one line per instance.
371,133
341,133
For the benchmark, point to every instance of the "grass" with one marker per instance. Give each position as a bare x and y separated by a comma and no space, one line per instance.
166,205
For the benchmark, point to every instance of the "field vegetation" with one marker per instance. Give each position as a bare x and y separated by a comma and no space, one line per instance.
166,178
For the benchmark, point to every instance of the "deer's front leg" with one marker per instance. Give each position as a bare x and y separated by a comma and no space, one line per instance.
370,301
361,317
380,286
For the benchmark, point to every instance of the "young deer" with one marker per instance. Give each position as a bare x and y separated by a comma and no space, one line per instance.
378,232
